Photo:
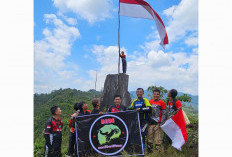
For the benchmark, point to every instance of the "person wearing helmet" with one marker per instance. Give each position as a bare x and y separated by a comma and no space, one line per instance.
53,133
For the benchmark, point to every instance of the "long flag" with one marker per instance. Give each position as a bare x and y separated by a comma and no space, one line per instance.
175,128
141,9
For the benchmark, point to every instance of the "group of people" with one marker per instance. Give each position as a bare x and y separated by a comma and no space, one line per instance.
152,114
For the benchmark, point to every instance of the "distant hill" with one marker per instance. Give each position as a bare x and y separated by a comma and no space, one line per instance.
65,98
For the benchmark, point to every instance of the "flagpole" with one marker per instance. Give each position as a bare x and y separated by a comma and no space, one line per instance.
95,86
118,37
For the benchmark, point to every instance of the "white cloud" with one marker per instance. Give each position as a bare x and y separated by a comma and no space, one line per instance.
91,10
50,52
153,68
184,18
158,59
69,20
195,50
192,41
65,75
50,55
170,11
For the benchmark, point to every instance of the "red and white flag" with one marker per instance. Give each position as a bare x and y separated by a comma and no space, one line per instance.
175,128
141,9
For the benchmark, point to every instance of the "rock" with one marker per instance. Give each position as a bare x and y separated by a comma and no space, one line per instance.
115,84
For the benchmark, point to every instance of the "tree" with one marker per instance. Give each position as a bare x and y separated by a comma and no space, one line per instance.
163,91
184,98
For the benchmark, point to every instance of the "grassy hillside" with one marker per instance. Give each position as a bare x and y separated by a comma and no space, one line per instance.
65,98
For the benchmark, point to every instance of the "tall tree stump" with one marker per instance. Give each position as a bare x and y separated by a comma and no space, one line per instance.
115,84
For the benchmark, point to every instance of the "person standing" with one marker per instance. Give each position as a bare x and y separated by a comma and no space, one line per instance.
143,106
124,64
72,135
173,105
157,117
53,133
81,110
117,105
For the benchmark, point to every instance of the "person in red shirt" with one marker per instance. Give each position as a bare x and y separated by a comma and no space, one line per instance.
172,100
117,105
157,116
173,105
53,133
124,64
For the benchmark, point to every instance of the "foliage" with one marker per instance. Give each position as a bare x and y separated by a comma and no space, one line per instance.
65,98
184,98
163,91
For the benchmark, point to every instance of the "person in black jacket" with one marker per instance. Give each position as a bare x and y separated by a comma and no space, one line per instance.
96,106
143,106
53,133
81,110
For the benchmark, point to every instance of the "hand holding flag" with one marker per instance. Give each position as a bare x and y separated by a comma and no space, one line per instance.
175,128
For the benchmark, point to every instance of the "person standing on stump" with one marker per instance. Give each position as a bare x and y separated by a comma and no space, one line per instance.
124,64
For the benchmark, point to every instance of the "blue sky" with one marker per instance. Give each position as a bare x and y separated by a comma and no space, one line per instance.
74,39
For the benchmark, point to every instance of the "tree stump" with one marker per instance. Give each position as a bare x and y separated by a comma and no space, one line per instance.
115,84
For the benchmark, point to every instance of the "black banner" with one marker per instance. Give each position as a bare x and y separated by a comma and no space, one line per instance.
110,134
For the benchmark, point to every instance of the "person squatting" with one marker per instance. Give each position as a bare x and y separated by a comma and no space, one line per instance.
152,114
